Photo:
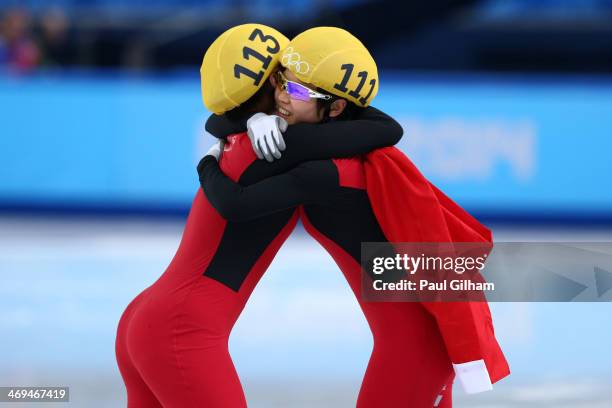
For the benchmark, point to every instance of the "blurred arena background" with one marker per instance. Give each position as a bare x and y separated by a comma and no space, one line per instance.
506,105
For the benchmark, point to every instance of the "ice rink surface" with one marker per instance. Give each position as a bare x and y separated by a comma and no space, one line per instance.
301,341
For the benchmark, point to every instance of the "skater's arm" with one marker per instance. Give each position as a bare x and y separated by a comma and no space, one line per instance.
370,130
220,126
307,183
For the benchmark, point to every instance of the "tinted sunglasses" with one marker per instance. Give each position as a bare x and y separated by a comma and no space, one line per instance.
298,91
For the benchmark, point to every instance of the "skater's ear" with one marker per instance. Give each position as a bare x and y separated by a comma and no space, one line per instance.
337,107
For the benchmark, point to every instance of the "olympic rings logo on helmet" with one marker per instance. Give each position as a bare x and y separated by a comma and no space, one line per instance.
293,59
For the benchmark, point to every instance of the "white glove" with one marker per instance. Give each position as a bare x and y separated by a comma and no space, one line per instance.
265,134
473,376
216,149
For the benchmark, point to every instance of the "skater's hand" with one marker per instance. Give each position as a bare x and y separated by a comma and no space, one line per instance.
473,376
265,134
216,149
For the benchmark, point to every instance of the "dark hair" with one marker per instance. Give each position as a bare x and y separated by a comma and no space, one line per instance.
261,101
351,110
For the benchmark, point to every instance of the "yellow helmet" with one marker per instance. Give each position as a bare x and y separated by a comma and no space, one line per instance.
237,64
334,60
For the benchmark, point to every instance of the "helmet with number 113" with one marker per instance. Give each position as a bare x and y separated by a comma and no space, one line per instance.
238,63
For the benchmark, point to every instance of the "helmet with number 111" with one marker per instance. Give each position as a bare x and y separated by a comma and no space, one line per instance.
333,60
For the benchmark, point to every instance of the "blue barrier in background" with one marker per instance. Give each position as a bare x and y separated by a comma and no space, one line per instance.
498,145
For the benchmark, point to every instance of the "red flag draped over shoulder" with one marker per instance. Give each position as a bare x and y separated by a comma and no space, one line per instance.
411,209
